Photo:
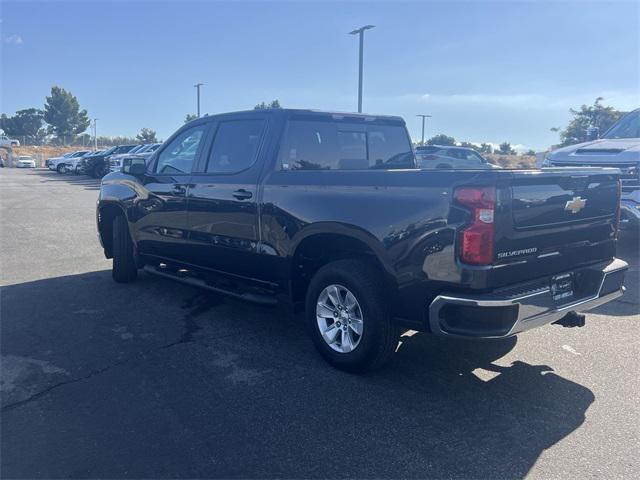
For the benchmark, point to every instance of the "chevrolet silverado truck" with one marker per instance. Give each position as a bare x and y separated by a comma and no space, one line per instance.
619,147
327,213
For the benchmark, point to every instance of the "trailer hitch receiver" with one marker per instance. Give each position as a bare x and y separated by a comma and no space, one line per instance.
571,319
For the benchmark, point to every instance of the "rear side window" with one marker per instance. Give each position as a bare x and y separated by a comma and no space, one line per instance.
178,156
389,147
352,150
322,145
235,146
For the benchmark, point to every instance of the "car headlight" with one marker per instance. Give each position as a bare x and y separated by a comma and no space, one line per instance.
546,162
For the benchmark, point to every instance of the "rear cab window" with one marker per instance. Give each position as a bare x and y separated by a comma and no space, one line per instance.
329,144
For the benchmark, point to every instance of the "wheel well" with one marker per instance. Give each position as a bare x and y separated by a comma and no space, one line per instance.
105,226
318,250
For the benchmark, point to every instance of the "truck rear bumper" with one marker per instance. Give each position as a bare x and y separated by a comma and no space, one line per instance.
522,307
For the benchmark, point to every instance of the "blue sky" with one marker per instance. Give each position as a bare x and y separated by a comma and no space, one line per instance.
486,71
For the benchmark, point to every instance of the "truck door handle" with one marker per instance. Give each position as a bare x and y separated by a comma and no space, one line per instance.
179,190
242,194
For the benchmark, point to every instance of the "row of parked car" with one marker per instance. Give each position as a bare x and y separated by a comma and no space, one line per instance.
98,163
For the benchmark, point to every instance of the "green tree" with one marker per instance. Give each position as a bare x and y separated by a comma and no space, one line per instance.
587,117
530,152
189,117
62,112
506,149
25,123
486,148
84,139
147,135
262,106
117,140
441,139
470,145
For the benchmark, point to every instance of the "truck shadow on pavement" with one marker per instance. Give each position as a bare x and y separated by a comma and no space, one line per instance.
161,380
85,181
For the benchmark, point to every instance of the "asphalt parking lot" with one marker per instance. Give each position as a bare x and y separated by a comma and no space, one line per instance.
159,380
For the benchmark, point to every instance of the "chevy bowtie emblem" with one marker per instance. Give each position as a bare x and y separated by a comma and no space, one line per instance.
575,205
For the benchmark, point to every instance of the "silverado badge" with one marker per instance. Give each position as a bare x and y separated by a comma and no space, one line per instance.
575,205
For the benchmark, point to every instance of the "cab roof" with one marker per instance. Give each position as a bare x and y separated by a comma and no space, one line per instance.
293,112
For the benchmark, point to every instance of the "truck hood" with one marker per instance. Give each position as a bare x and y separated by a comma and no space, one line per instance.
602,150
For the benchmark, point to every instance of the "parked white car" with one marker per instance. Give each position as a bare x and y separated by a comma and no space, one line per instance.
8,142
451,157
51,160
25,161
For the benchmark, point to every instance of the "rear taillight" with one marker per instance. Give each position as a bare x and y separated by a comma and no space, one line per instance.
476,239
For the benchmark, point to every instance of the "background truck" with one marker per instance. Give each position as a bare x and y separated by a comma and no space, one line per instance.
619,147
327,212
5,141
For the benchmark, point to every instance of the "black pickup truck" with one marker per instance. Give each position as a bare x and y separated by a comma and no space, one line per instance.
326,212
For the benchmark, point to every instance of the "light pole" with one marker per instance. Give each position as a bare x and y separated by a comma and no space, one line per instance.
95,134
198,85
360,33
423,117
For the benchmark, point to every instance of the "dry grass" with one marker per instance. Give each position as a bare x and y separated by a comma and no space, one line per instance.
41,153
512,161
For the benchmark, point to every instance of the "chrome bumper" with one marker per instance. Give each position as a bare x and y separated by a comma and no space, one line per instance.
499,316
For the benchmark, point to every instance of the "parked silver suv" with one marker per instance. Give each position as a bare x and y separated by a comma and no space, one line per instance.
618,147
448,157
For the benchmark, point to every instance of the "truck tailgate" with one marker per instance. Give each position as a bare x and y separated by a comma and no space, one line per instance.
557,219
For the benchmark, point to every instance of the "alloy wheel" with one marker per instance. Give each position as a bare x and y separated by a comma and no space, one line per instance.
340,319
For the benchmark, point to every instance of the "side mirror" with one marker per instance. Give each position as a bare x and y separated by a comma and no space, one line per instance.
593,133
134,166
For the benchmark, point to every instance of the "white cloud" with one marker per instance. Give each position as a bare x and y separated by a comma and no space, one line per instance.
622,100
14,39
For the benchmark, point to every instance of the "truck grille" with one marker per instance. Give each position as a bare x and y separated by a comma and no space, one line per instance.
630,177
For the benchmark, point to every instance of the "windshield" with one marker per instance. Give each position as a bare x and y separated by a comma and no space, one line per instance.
137,148
627,127
124,148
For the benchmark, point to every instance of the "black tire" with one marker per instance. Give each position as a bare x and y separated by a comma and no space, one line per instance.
96,171
61,168
379,335
124,268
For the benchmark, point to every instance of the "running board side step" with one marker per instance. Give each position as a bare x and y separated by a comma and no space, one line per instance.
196,282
